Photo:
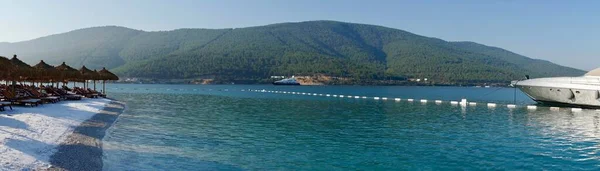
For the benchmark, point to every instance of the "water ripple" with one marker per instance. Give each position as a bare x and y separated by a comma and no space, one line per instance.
161,131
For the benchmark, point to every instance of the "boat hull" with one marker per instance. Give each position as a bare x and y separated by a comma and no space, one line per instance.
563,95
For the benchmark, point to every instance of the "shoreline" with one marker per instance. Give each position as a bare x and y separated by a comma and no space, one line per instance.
82,149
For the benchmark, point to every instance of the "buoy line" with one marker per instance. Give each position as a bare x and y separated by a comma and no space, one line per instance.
463,102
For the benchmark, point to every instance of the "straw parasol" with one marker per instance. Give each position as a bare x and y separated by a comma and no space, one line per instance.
106,75
86,74
67,73
6,67
23,71
45,72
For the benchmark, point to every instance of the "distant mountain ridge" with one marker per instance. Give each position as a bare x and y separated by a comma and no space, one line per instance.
338,49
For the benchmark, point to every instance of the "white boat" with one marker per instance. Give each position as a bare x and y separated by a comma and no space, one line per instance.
581,91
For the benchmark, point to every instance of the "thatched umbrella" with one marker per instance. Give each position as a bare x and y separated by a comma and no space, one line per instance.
68,73
23,72
106,75
86,74
45,72
6,68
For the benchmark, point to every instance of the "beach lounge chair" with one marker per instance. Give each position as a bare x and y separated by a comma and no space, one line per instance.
96,92
62,94
42,96
85,93
30,102
21,97
4,104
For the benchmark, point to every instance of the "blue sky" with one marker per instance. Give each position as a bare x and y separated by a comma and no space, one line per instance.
564,32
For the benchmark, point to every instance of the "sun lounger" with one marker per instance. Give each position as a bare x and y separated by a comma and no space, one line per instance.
70,96
85,93
30,102
63,94
4,104
43,96
50,99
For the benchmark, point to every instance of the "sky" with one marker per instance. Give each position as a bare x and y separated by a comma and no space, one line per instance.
563,32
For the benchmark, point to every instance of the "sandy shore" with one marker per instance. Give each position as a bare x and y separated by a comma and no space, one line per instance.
82,150
66,135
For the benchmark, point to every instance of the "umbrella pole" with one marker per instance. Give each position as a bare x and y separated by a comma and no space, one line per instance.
104,87
94,85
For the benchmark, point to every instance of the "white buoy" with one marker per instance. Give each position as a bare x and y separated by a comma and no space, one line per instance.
349,96
491,104
376,98
454,102
328,95
334,95
423,101
511,106
531,107
320,94
438,101
554,108
464,102
356,97
303,93
384,98
315,94
576,109
472,104
293,92
410,100
341,96
397,99
364,97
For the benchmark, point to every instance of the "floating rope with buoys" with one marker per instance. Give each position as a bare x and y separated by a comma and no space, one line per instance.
463,102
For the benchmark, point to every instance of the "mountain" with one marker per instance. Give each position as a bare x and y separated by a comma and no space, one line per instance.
330,48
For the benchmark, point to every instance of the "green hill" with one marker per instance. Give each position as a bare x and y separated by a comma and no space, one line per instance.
354,51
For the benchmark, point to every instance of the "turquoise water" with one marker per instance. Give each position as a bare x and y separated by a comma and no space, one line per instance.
195,127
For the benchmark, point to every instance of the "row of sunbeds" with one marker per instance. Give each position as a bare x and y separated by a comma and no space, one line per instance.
33,96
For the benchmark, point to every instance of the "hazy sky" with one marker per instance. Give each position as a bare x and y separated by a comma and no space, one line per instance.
564,32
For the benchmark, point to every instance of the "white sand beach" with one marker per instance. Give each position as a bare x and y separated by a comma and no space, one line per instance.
30,135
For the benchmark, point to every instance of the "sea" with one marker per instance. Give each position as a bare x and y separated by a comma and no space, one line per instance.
265,127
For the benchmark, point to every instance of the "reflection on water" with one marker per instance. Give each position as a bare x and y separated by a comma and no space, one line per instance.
228,130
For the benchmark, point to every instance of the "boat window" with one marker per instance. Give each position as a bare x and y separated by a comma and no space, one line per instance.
577,92
558,90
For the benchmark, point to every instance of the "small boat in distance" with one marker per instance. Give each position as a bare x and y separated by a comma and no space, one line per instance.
287,81
581,91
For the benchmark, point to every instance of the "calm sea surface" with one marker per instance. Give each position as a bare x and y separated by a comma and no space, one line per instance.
221,127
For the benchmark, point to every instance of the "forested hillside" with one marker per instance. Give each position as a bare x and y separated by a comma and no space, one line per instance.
354,51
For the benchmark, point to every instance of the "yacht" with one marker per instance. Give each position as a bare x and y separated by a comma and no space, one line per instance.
287,81
581,91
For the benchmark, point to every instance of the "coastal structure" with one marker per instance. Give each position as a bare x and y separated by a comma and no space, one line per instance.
287,81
